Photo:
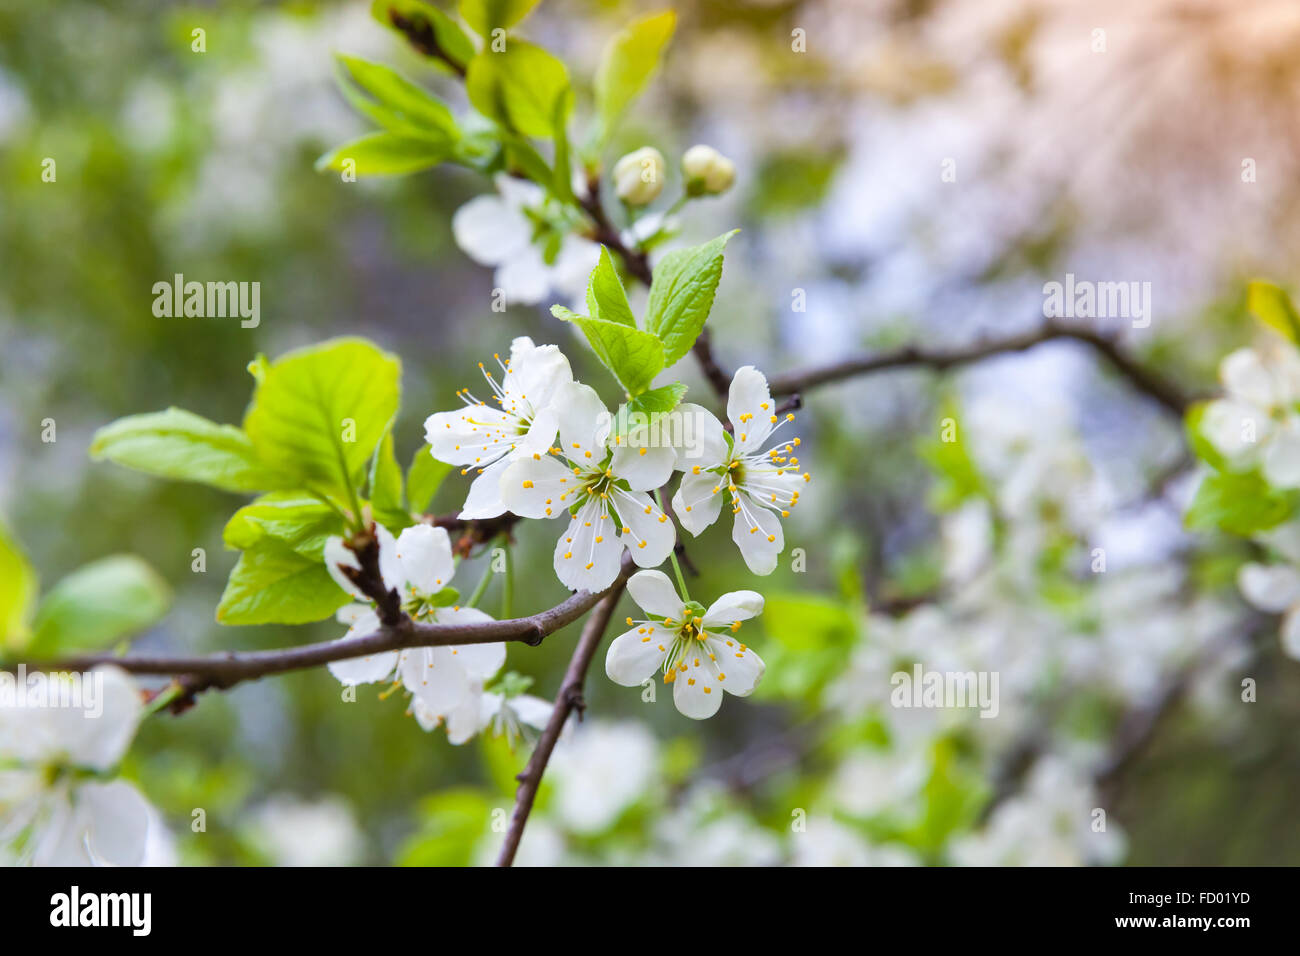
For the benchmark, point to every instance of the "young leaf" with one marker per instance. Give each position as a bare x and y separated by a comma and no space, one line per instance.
635,357
274,584
1240,504
397,103
320,411
606,299
18,585
386,498
484,16
299,521
682,295
525,89
187,447
626,66
1272,306
98,604
387,154
426,27
641,411
423,479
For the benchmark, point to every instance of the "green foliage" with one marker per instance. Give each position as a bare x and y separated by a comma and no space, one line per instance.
810,638
387,501
484,16
274,584
1240,503
423,478
1272,306
187,447
97,604
394,102
453,823
626,66
386,154
319,412
681,295
448,38
524,89
635,357
957,479
18,586
299,521
606,297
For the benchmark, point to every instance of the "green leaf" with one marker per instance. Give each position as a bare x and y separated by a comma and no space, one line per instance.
682,295
274,584
484,16
18,588
397,103
98,604
454,821
181,445
320,411
628,62
1240,504
1201,445
525,89
423,478
641,411
635,357
957,476
386,499
439,33
386,154
299,521
1272,306
606,298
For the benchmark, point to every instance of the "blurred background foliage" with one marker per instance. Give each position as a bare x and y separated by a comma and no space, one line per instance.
171,161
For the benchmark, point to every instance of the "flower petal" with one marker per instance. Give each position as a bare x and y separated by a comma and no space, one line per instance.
697,435
646,530
336,553
1291,634
481,661
115,818
584,424
750,409
698,501
654,593
1269,587
473,435
489,231
537,487
1246,377
587,554
484,499
696,690
733,606
636,655
739,668
757,532
424,556
643,468
1282,457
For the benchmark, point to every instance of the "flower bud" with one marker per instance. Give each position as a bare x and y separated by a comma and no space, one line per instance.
639,176
707,172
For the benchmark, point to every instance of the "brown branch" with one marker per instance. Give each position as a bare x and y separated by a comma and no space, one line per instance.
1144,380
567,701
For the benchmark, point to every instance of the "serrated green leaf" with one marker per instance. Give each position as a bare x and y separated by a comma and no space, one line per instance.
187,447
387,154
635,357
98,604
437,33
423,479
396,102
484,16
1241,504
606,298
524,88
18,589
320,411
274,584
299,521
1272,306
387,502
629,60
681,295
640,412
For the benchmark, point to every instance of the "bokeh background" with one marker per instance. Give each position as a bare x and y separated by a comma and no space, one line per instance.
1119,164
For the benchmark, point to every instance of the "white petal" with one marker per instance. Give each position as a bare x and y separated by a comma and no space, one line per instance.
336,553
424,556
466,719
518,193
750,409
644,469
538,487
533,711
733,606
98,733
489,231
698,501
587,554
1272,588
115,818
535,373
390,568
1246,377
696,690
481,661
636,655
697,435
573,265
484,499
1282,457
739,668
473,435
368,669
757,532
436,677
1235,428
524,278
654,593
584,423
646,530
1291,635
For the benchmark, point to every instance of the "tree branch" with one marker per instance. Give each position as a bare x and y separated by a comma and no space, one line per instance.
1144,380
568,700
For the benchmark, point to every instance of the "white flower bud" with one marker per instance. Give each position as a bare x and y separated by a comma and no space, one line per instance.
707,171
639,176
